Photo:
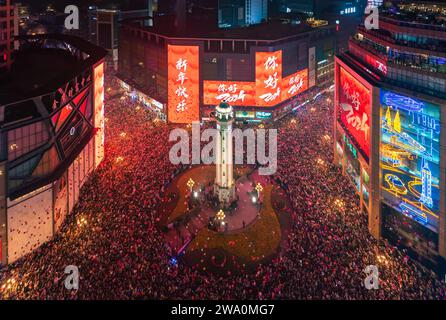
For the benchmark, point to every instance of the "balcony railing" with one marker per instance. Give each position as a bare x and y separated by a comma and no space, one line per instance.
438,48
369,48
413,24
401,61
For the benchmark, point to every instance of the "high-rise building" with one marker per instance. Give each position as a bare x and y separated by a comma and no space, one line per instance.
103,28
256,11
52,136
375,3
309,7
9,27
345,14
231,13
238,13
390,106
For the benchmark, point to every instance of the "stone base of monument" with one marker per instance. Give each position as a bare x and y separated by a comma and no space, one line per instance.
226,196
240,212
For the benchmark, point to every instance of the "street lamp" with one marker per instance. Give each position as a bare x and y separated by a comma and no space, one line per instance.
259,189
220,216
190,183
339,203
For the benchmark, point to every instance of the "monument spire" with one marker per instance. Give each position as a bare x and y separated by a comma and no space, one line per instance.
224,187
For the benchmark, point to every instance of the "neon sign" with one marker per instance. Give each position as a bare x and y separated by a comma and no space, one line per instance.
410,156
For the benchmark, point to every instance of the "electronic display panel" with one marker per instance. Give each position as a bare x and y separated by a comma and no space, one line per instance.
236,93
268,78
268,90
378,64
294,84
99,114
410,156
354,105
183,84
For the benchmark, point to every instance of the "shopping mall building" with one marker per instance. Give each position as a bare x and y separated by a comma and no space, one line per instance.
183,73
51,137
390,102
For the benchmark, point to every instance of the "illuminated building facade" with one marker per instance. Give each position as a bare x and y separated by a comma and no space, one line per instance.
52,137
9,27
260,70
390,102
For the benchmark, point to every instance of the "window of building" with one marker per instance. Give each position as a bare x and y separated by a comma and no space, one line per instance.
25,139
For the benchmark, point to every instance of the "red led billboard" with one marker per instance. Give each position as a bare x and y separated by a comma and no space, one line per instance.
294,84
268,90
236,93
268,78
354,105
183,84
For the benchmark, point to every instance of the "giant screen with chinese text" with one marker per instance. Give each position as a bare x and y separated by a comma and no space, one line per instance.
183,84
268,89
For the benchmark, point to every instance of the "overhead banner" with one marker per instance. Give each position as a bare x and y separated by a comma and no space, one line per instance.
183,84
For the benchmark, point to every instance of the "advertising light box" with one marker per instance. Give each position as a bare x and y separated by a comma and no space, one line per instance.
410,156
245,114
264,115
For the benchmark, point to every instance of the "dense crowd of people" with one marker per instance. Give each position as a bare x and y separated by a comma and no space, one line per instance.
121,253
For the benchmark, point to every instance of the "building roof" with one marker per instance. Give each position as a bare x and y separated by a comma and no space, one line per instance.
416,17
44,63
270,30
